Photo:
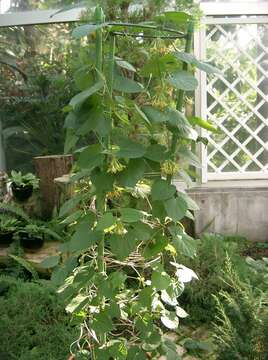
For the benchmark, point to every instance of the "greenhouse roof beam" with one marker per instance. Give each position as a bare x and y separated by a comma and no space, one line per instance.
39,17
234,8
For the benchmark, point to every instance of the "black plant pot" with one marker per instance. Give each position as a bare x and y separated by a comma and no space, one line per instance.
31,242
21,193
6,238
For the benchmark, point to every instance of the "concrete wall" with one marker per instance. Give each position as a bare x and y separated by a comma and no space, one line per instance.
233,208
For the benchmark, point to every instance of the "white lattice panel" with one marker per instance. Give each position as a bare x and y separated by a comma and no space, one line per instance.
237,101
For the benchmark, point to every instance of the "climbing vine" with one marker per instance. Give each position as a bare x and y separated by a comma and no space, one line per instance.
121,278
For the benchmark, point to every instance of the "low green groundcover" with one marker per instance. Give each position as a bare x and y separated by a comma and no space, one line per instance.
33,323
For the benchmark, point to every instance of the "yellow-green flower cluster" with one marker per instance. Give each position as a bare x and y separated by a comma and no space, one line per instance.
169,167
115,166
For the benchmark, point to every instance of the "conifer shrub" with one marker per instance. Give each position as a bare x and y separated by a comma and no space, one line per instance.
33,322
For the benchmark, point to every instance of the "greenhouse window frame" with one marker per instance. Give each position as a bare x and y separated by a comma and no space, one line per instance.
213,12
37,17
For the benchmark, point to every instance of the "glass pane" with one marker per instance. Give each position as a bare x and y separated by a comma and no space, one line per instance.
35,85
237,100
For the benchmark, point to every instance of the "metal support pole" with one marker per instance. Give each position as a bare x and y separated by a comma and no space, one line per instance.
2,151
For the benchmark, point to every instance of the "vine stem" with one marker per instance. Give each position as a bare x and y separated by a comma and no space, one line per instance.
188,48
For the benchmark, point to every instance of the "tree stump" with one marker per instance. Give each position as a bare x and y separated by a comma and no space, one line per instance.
48,168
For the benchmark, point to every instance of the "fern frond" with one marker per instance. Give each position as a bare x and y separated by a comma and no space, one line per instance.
14,210
26,264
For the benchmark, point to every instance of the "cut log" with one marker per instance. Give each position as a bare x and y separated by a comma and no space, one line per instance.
66,189
48,168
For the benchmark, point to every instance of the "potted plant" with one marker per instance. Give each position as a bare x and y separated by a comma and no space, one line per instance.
23,185
32,235
8,226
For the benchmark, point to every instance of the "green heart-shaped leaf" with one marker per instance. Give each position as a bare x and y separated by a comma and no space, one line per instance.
162,190
183,80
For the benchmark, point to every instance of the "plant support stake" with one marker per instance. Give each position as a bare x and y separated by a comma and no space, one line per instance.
100,199
188,47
